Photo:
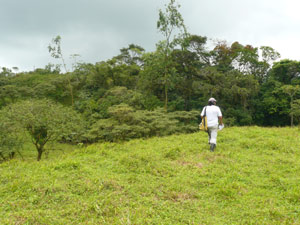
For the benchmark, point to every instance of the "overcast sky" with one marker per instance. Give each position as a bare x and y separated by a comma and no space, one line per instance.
98,29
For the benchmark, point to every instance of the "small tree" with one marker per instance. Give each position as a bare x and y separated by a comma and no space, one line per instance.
45,121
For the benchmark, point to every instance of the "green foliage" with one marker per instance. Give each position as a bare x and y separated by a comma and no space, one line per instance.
292,91
131,55
126,123
238,116
170,20
6,72
151,80
94,110
45,121
295,109
286,71
252,178
49,69
11,139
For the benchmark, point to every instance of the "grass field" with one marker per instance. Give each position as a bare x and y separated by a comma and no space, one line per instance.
253,177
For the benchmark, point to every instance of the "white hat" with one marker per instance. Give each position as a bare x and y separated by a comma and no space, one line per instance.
212,100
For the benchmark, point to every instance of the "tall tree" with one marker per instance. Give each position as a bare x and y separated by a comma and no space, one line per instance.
56,52
188,61
187,65
295,109
171,25
291,91
269,56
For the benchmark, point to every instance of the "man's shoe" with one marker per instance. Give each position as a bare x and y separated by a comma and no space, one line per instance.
212,147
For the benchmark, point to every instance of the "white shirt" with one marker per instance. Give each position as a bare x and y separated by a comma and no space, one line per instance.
212,113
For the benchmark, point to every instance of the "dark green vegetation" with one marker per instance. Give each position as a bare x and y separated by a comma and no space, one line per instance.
139,94
252,178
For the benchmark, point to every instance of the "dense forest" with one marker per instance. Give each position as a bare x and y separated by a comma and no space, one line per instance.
142,94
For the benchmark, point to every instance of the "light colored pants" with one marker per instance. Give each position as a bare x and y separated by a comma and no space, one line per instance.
212,134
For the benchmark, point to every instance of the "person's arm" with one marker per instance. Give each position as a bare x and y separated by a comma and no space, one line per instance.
202,113
220,117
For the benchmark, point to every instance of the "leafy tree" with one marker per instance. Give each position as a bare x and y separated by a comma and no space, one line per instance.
295,109
286,71
268,55
49,69
56,52
246,59
291,91
273,104
45,121
151,81
6,72
131,55
187,66
196,44
168,22
222,57
212,82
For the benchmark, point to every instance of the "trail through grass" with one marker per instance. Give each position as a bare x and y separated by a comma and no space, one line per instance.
251,178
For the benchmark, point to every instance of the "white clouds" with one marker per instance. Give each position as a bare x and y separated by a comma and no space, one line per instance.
273,23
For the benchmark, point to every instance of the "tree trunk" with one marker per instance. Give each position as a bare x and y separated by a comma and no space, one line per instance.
2,156
292,116
71,93
40,152
12,155
70,89
166,82
166,97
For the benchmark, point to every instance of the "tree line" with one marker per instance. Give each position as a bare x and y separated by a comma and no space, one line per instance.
142,94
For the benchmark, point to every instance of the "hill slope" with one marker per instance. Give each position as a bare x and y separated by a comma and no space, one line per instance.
252,178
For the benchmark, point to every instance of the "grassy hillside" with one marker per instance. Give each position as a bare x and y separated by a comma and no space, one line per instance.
252,178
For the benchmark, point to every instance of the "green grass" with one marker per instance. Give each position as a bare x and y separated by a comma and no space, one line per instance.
252,178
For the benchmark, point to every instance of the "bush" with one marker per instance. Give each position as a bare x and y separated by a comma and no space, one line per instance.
125,124
94,109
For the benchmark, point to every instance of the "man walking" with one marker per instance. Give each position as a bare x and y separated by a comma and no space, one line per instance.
214,119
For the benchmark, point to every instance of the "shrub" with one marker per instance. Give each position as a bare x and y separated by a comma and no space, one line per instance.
125,123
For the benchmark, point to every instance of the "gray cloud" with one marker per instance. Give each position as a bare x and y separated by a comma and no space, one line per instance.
97,29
